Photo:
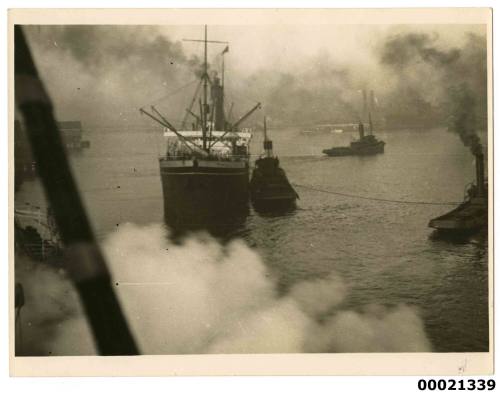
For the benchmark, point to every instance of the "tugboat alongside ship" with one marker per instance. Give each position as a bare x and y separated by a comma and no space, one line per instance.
270,189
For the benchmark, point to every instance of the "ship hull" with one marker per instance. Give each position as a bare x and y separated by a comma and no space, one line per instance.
356,151
339,151
270,190
274,203
208,195
466,218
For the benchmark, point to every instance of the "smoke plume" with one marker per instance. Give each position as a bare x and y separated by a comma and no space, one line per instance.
403,50
104,74
463,117
324,92
443,85
202,297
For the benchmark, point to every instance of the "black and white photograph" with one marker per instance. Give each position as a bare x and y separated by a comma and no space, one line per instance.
251,182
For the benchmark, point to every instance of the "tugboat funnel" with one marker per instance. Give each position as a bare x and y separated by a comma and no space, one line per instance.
480,174
268,144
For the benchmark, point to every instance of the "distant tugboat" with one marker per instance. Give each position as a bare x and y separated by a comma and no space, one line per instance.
366,145
270,189
205,170
472,214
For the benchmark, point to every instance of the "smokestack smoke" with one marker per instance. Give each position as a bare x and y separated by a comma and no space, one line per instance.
102,74
480,174
453,80
463,117
402,50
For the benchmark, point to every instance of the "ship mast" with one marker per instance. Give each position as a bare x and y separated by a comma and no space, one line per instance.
204,111
205,86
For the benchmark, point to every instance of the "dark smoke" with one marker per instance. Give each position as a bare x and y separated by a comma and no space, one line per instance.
322,93
98,47
434,86
405,49
103,74
463,117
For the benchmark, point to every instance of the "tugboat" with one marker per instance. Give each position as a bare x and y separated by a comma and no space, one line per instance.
205,170
366,145
270,189
472,215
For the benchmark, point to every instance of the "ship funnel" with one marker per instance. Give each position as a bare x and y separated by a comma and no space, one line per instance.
218,103
480,174
268,144
361,129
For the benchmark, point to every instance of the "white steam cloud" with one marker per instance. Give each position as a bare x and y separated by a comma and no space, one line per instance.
202,297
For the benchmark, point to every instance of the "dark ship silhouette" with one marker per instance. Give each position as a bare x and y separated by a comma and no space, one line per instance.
471,215
366,145
270,189
205,171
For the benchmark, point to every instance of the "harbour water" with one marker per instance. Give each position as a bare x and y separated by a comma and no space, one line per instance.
384,251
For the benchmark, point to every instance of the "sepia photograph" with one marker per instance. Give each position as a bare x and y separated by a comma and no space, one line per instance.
225,183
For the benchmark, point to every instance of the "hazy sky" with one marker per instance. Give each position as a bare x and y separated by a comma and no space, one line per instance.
102,74
285,47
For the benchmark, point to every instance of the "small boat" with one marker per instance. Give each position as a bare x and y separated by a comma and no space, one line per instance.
270,189
471,215
366,145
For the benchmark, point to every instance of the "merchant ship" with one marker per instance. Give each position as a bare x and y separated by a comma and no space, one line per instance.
205,170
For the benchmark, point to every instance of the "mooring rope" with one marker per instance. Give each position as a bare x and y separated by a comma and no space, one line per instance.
377,199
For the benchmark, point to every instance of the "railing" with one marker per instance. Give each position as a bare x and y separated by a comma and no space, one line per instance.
33,216
40,250
224,158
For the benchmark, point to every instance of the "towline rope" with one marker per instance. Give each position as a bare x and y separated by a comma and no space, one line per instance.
377,199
